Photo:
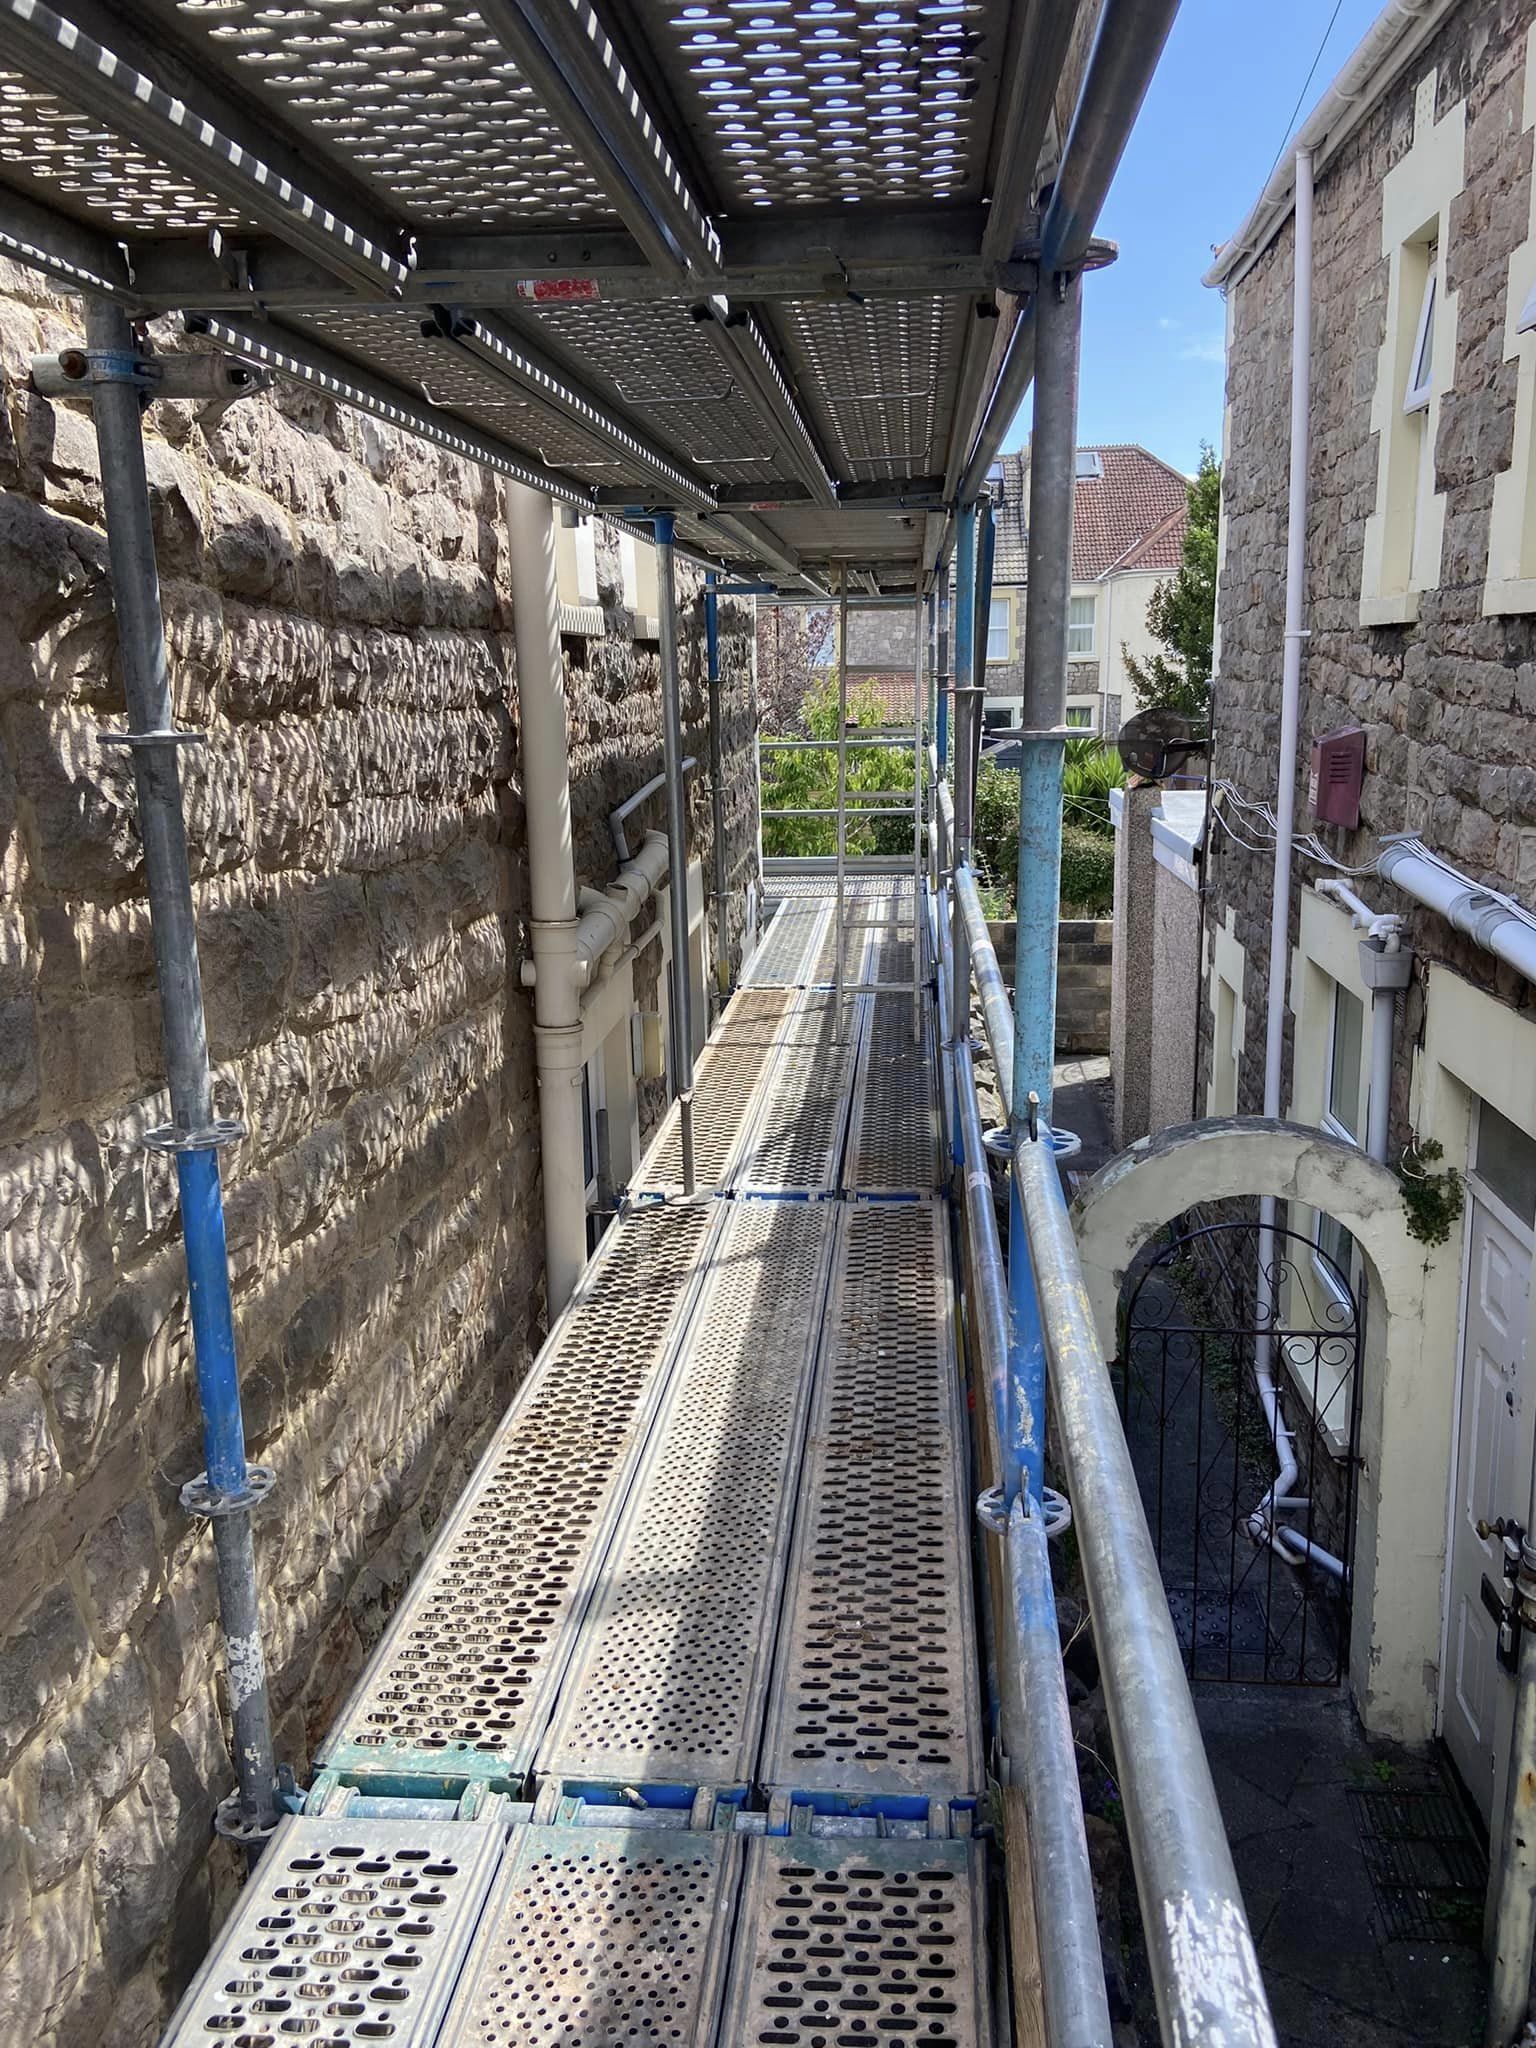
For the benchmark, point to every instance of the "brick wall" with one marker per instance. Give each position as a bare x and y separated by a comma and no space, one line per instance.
1084,947
1446,702
336,601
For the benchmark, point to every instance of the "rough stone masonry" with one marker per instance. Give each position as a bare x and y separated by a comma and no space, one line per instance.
338,617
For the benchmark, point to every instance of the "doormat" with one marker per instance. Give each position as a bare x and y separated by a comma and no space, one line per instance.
1427,1868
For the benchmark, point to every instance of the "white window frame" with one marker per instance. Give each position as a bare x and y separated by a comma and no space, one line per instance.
1082,717
1420,386
1091,626
1323,1262
1005,624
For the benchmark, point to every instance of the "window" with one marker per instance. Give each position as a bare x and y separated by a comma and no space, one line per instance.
1090,464
1511,578
1080,716
576,576
1081,612
1343,1115
1223,1095
1504,1160
637,560
1000,630
1414,365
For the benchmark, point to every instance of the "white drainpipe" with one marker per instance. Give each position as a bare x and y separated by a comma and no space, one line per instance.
558,971
1261,1523
1496,922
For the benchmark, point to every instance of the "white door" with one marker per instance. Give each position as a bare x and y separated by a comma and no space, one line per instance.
1493,1479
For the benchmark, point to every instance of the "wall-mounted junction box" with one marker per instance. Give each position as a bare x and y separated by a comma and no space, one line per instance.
1338,770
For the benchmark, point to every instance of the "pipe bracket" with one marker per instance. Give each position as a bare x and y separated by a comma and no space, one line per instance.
224,1130
237,1826
209,1503
172,736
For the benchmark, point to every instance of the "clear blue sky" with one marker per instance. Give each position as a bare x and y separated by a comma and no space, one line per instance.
1214,118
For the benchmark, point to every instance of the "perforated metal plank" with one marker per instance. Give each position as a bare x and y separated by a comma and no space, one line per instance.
888,963
844,1943
854,941
667,1685
461,1685
874,1693
726,1084
803,106
796,1141
348,1931
879,377
790,945
893,1131
595,1936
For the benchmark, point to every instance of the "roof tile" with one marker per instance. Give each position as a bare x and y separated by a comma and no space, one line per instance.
1131,517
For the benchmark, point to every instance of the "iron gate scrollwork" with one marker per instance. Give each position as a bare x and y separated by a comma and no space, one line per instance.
1258,1583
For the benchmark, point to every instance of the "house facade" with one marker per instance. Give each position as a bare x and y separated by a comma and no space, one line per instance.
1419,670
1128,528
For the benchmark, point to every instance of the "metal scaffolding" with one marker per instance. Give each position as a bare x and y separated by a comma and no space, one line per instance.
685,1671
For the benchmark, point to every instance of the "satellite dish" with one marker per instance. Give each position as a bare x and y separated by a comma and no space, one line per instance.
1157,743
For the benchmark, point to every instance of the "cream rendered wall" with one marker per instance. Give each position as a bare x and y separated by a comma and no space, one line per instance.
1123,625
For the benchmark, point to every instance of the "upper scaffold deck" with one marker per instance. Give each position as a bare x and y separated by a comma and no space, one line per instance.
754,264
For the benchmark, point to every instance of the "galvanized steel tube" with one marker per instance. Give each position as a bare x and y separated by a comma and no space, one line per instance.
996,1004
716,780
677,840
168,884
841,812
1204,1969
1037,1730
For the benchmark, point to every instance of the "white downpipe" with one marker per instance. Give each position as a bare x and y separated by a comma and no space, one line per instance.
1262,1526
1492,920
607,914
551,886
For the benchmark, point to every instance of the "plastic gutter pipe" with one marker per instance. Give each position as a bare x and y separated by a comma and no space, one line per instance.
677,836
1494,921
558,974
1204,1968
228,1489
617,819
1261,1523
716,781
608,914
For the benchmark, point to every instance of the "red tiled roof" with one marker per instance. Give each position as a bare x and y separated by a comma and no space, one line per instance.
1131,517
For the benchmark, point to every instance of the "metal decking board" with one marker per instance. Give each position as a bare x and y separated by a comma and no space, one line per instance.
461,1686
668,1681
726,1084
795,1145
874,1694
893,1132
348,1931
858,1943
790,945
596,1936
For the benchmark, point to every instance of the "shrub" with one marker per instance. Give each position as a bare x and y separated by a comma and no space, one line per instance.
1087,871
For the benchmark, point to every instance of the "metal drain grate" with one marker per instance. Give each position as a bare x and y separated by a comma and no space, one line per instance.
1426,1866
595,1936
796,1142
725,1088
349,1932
857,1944
874,1690
791,943
668,1680
893,1135
459,1687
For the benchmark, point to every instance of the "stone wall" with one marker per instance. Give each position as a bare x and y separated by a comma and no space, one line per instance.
336,599
1446,702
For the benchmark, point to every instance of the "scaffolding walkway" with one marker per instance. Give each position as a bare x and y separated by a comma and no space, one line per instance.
677,1736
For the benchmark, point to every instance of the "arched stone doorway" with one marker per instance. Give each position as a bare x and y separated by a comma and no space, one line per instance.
1405,1404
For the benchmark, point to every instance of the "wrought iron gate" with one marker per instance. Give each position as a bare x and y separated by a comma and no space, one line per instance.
1259,1586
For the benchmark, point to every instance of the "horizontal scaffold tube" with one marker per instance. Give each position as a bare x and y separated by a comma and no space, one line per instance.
995,1004
1204,1969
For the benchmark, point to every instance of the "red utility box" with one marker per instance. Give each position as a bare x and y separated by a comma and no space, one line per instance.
1338,769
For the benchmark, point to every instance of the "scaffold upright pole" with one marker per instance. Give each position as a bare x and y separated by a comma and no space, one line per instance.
677,838
229,1489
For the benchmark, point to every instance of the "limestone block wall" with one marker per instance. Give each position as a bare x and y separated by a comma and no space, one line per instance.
339,622
1446,702
1084,950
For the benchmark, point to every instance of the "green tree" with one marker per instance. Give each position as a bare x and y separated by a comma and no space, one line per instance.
807,780
1181,613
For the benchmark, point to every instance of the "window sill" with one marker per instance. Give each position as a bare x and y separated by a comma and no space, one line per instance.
583,619
1396,608
1516,594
